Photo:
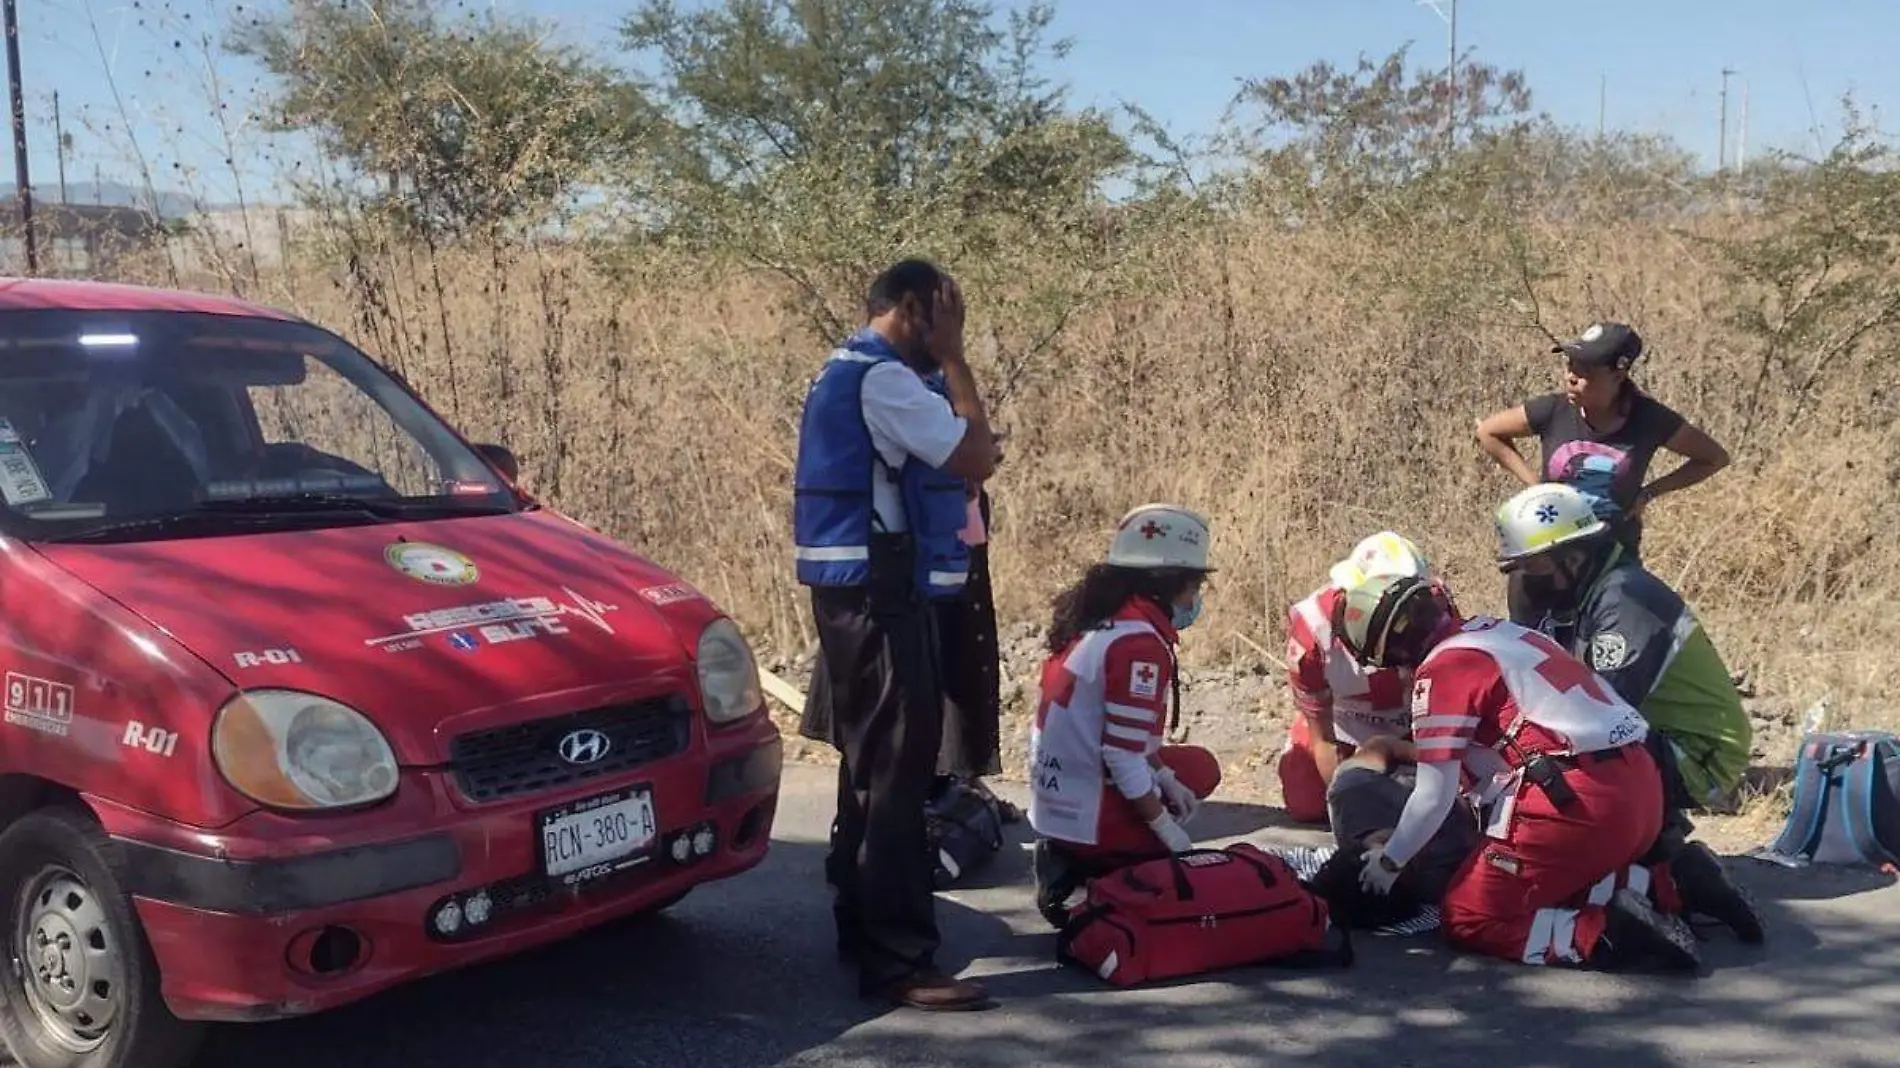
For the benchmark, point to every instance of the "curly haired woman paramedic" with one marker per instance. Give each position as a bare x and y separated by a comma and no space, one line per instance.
1104,791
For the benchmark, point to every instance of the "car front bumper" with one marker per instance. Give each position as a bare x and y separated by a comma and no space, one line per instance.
260,924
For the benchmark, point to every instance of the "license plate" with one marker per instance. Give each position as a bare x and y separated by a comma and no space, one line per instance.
597,836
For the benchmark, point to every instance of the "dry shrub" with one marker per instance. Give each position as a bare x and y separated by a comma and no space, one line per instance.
1297,408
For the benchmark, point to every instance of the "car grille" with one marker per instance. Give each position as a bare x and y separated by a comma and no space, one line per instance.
525,758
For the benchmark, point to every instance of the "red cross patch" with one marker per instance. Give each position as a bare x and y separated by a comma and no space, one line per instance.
1144,679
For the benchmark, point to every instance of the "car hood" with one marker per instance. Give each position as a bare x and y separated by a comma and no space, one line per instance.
430,628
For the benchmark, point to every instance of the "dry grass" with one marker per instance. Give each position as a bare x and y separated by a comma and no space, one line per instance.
659,404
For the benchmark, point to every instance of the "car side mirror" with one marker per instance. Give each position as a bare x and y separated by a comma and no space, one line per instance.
503,458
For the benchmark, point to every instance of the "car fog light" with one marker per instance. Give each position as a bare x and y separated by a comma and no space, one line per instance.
478,909
703,841
682,849
448,919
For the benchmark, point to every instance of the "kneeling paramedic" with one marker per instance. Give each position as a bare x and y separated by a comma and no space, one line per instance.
1594,598
1104,791
1338,705
879,498
1571,797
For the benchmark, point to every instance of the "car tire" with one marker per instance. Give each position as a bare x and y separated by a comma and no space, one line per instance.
64,910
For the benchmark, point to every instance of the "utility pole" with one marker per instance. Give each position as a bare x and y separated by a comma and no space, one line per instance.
1721,140
1603,96
1448,10
1741,143
59,146
19,136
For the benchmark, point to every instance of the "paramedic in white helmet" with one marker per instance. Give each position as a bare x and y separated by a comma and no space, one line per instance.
1571,797
1338,704
1602,605
1104,791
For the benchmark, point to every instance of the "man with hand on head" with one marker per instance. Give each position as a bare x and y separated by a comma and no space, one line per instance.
879,500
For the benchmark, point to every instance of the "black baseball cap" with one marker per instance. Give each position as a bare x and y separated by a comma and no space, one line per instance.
1614,345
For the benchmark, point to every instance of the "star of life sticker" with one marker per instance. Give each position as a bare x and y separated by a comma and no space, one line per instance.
1608,650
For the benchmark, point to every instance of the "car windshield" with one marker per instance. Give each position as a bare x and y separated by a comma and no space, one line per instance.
157,424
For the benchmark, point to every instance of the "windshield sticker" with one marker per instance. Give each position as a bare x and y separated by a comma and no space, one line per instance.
496,622
39,704
20,478
431,563
672,593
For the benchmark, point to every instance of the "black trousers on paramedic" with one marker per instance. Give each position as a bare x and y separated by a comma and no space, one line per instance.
880,659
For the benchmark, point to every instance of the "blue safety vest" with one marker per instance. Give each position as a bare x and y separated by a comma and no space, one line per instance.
832,514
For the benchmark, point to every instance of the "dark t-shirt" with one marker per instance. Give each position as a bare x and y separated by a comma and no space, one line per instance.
1609,468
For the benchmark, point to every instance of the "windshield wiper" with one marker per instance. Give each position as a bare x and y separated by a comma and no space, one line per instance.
197,522
279,504
380,507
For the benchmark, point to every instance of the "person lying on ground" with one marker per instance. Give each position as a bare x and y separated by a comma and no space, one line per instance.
1339,705
1589,595
1577,801
1364,802
1104,791
1600,434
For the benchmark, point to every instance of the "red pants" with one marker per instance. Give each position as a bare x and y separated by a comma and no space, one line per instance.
1122,831
1538,896
1302,791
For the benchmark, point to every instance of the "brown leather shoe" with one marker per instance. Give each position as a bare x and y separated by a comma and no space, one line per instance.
933,991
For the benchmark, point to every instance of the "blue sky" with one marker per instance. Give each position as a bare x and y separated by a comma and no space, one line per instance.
1660,59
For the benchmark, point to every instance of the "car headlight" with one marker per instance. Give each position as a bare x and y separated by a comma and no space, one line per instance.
728,677
293,750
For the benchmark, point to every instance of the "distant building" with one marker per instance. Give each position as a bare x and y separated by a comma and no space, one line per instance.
237,236
79,240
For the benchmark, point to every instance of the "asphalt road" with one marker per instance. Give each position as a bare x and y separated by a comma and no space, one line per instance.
742,975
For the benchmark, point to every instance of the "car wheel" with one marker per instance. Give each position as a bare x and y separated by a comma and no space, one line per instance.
79,987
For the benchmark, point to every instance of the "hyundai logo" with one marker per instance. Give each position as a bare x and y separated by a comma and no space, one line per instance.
584,746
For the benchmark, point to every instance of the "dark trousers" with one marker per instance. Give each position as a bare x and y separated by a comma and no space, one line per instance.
879,659
972,677
970,674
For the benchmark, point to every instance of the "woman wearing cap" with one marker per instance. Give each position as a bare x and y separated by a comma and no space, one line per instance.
1600,434
1104,791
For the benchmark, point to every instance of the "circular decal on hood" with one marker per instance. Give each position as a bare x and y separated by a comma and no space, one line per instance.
431,563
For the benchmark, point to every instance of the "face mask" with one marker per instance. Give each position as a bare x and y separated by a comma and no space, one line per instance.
1184,618
1541,590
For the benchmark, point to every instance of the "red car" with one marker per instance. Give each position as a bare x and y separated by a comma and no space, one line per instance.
303,698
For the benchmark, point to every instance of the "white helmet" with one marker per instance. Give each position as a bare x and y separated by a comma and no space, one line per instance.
1540,518
1384,553
1159,536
